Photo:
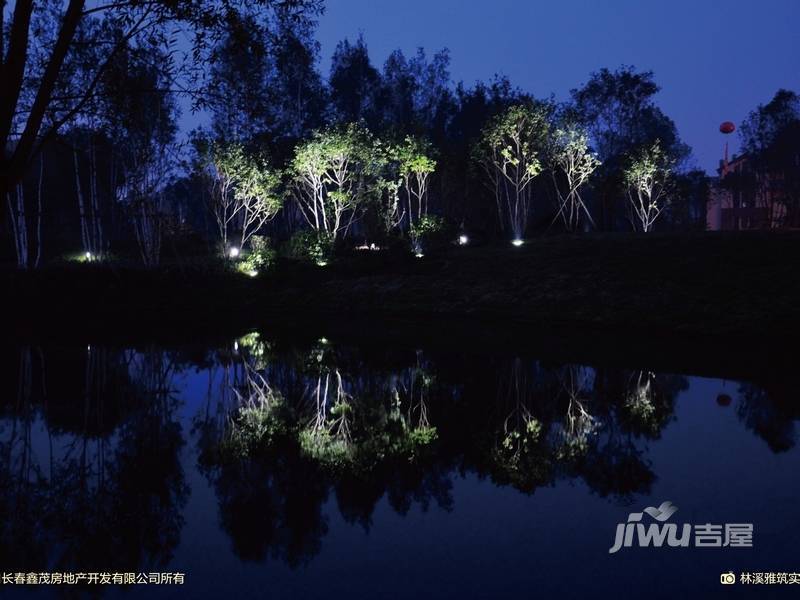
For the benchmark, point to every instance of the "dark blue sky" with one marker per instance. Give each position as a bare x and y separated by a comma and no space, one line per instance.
714,59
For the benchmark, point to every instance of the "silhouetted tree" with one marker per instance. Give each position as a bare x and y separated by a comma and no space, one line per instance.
771,138
41,93
355,85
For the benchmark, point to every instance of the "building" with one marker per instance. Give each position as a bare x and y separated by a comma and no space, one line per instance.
741,199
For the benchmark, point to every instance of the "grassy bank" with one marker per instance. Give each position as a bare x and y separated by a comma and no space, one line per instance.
742,284
721,287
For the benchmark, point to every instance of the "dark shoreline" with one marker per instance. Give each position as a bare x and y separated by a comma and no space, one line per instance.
722,304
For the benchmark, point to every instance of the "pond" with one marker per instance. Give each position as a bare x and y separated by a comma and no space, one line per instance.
314,468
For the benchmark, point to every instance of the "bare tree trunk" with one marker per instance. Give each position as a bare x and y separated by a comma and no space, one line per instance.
39,213
81,205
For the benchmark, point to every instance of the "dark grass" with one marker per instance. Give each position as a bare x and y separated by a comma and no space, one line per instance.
735,294
712,284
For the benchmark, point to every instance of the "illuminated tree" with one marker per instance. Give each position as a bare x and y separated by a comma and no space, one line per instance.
573,165
334,174
578,425
510,151
243,190
618,110
648,178
415,164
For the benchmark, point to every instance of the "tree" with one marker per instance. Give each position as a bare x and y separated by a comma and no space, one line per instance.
40,41
648,178
416,93
617,109
295,88
141,126
771,138
263,81
510,151
26,222
415,166
256,186
355,84
243,190
239,102
462,194
334,173
572,166
690,197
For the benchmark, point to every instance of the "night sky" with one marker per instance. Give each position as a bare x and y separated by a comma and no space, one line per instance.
714,59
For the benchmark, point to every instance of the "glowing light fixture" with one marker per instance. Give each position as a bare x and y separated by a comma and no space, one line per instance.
88,256
253,273
233,252
517,242
463,240
419,254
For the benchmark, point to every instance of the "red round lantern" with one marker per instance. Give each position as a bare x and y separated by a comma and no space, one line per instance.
727,127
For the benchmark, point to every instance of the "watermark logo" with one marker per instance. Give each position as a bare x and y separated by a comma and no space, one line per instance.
727,578
709,535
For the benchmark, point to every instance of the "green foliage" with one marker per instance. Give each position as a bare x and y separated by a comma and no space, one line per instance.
255,429
521,458
251,175
414,156
427,225
257,350
524,440
570,152
649,181
260,258
514,141
420,440
311,246
511,151
333,453
425,230
648,168
334,173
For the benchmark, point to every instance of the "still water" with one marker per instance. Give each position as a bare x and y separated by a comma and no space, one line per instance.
317,469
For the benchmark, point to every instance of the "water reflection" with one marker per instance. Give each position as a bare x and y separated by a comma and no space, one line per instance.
90,471
93,441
